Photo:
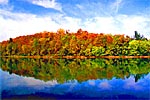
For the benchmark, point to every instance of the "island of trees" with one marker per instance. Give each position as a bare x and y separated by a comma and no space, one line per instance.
82,43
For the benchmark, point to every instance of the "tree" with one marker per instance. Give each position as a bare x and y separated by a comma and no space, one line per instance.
14,48
9,49
137,36
139,47
98,51
36,47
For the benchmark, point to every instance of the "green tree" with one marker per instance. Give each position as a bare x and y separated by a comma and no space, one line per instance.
98,51
36,47
9,49
139,47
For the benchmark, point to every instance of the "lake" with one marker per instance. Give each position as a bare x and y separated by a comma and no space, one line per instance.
117,79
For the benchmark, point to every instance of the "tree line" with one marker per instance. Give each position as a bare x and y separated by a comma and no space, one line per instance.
81,43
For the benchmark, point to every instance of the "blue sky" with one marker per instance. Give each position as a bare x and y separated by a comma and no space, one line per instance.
23,17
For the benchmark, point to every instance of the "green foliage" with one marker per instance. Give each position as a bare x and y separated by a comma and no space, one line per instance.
9,48
98,51
138,47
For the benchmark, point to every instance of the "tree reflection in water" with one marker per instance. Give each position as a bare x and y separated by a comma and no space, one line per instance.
81,70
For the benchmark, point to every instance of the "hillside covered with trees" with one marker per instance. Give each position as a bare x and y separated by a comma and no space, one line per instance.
81,43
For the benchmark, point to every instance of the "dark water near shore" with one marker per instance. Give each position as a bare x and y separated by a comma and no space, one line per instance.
114,79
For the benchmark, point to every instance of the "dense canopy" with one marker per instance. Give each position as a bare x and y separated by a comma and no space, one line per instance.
81,43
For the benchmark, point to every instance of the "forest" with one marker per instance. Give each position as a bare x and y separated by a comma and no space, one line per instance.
81,43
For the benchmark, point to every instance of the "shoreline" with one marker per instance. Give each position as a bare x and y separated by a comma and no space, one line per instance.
76,57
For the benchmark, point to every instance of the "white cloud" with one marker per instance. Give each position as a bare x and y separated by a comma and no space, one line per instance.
120,24
16,24
72,24
100,24
135,23
3,1
116,5
47,4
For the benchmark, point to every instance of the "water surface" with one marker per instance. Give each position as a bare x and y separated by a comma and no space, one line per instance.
75,78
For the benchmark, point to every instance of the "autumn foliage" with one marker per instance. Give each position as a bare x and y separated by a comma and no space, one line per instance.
81,43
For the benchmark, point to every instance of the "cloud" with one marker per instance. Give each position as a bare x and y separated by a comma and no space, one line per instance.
95,8
86,9
139,23
3,2
116,5
120,24
47,4
14,24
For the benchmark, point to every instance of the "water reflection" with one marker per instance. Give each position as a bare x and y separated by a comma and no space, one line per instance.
63,70
90,78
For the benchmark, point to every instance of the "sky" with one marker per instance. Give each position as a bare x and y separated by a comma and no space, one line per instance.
25,17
